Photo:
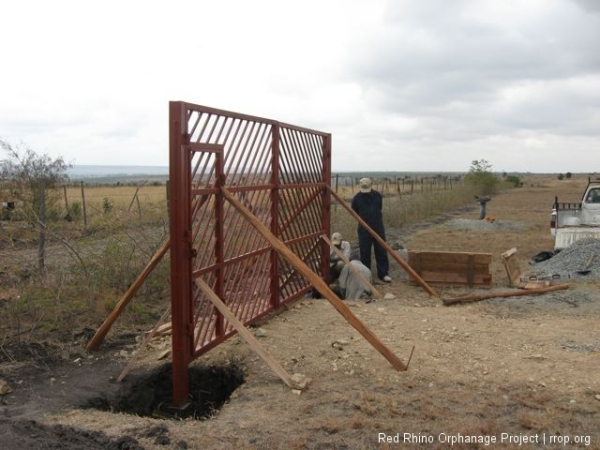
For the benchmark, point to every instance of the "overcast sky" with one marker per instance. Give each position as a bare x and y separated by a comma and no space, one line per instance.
402,85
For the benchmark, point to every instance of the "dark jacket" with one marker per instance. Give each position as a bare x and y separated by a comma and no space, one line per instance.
368,206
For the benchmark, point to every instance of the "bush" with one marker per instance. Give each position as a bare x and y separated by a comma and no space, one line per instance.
480,177
514,180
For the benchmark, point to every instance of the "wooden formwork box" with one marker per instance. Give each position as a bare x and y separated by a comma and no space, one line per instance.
452,267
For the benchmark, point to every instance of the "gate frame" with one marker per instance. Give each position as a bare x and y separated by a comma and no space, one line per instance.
182,252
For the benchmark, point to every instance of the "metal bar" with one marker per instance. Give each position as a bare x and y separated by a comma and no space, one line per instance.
180,254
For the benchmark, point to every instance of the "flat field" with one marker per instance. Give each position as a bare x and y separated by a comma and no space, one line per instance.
512,372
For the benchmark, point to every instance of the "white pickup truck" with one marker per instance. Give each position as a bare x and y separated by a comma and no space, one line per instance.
570,222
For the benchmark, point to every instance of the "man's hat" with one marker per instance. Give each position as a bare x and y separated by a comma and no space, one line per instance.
336,238
365,185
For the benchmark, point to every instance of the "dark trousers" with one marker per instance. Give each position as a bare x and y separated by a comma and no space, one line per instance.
365,243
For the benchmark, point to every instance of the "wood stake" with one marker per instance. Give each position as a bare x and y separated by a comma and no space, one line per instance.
120,306
415,276
143,346
315,280
246,334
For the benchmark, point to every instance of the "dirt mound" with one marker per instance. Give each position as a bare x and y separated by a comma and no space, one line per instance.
32,435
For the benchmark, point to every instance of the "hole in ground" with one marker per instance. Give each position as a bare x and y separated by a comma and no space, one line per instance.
152,395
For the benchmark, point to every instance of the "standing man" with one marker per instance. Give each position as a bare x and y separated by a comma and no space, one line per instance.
368,204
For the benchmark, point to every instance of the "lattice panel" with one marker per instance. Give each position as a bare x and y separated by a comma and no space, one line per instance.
278,172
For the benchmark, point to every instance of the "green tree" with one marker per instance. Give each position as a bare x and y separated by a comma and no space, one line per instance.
481,178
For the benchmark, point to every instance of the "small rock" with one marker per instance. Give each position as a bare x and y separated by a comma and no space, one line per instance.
389,296
300,381
260,333
164,354
296,391
4,387
597,397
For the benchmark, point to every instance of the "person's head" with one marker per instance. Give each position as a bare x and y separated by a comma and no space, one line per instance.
365,185
336,238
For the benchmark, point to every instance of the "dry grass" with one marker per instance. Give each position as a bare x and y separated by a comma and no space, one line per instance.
478,370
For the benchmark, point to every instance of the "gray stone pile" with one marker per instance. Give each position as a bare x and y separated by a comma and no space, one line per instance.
484,225
579,260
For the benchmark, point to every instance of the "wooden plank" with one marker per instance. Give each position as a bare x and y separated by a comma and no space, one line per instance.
470,270
353,268
440,266
513,271
120,306
453,268
459,278
315,280
414,275
456,257
246,334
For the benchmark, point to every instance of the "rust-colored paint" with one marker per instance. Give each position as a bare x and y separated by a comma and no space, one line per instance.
280,173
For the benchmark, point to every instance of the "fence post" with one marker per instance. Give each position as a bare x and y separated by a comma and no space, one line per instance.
84,208
42,220
66,200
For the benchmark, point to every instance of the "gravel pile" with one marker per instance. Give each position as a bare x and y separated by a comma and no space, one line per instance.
580,260
484,225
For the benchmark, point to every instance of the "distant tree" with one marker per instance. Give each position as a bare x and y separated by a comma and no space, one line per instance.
568,175
480,176
560,176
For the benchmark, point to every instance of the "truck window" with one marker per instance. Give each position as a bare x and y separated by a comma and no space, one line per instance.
593,196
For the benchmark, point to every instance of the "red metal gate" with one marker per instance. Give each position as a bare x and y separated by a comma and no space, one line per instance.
280,173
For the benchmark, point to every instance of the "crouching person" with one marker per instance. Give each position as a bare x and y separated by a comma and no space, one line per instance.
352,286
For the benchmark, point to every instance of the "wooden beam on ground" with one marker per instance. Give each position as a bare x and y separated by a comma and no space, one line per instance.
478,297
120,306
315,280
353,268
143,346
414,275
247,335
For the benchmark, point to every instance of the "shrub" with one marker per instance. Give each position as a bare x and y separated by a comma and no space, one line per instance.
514,180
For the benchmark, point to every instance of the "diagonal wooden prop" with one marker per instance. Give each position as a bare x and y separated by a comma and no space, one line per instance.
315,280
415,276
247,335
120,306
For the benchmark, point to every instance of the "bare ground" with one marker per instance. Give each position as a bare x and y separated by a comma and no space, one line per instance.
515,369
